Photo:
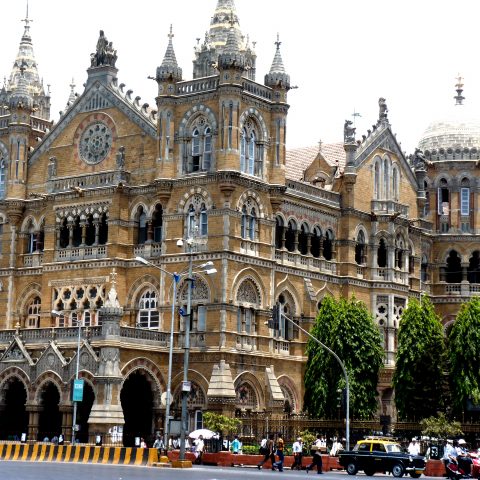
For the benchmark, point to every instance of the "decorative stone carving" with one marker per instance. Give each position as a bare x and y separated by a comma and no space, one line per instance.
348,132
121,158
52,167
105,53
383,110
247,293
95,143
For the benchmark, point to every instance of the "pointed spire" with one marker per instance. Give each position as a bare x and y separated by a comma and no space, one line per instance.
26,33
459,98
169,70
20,97
277,77
231,57
71,97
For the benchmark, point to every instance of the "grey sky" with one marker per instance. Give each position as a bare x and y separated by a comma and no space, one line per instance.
343,55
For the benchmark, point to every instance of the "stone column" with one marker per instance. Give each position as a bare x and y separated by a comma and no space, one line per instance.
107,410
33,416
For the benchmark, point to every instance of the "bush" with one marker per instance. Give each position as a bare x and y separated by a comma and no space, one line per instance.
250,449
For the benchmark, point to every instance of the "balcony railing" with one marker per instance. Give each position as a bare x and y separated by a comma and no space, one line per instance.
33,259
81,253
389,207
246,342
147,250
280,347
297,259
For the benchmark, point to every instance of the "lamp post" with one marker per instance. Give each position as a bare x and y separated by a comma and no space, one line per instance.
342,366
176,278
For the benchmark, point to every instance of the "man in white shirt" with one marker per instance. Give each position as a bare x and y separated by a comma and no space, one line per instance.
199,447
414,447
297,450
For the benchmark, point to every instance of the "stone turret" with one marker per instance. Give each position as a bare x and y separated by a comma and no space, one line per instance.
168,71
231,59
277,78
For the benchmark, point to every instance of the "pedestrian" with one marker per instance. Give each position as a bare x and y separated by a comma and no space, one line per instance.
143,444
317,456
269,453
414,447
158,444
463,457
297,450
263,446
449,453
279,463
199,447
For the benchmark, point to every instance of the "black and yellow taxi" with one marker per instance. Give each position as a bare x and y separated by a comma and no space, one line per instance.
381,454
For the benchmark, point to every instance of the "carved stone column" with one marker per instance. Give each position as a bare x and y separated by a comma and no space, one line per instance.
33,416
149,232
70,233
83,225
284,236
295,241
96,224
107,410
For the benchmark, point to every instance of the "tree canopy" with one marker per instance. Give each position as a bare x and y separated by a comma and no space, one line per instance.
418,377
464,355
347,328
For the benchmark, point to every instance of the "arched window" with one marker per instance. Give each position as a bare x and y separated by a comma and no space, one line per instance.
196,217
33,313
251,151
77,232
199,158
3,175
157,222
303,239
148,316
31,238
290,236
386,179
315,248
278,233
473,271
376,181
328,245
453,272
360,247
89,231
382,254
64,234
103,230
142,226
249,221
465,204
395,184
424,269
399,253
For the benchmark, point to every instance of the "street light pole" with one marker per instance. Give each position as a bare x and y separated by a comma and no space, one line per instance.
342,366
75,403
185,389
166,432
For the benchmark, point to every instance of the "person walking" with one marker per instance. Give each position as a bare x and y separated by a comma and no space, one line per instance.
269,453
317,456
279,463
158,444
297,450
199,447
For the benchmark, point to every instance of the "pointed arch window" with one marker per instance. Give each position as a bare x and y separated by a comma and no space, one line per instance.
31,239
251,151
316,246
157,223
360,249
395,184
148,316
142,226
33,313
3,175
328,245
386,179
249,222
279,228
376,180
382,254
196,217
203,220
199,158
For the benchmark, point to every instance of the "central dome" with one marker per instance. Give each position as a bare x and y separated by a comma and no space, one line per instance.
455,137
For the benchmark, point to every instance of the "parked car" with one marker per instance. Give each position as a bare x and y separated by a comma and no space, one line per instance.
378,454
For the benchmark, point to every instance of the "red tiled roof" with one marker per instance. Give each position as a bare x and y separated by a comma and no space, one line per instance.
299,159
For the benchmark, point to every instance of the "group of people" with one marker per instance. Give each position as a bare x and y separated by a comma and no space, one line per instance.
456,453
273,451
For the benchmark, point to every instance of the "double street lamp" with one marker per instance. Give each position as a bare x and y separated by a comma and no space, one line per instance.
203,268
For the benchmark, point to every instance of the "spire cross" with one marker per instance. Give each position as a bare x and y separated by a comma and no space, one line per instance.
26,19
320,143
278,42
72,85
171,35
232,19
459,81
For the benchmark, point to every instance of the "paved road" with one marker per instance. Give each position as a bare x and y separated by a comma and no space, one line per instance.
73,471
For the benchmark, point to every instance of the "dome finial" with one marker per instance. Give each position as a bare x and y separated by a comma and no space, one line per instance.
459,98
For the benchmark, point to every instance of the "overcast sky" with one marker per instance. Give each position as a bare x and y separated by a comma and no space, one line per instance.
342,55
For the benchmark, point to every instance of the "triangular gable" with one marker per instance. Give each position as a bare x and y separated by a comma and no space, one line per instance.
387,141
51,359
100,97
16,353
86,362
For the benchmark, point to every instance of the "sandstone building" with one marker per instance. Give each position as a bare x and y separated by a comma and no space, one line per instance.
116,179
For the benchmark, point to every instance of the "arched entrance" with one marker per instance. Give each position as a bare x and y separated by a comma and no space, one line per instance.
50,419
13,418
137,405
83,413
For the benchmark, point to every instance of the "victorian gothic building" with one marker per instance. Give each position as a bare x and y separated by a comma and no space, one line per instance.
115,179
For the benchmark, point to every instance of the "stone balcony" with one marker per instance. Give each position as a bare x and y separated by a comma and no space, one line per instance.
389,207
81,253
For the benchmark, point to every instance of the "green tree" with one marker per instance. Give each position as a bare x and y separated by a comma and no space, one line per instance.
220,423
464,355
439,426
348,329
420,362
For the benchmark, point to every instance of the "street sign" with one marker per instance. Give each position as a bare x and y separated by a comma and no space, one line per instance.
186,386
78,390
163,398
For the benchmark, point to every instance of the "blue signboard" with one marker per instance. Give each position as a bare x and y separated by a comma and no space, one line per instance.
78,390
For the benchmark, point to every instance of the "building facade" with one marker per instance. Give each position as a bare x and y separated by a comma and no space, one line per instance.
114,179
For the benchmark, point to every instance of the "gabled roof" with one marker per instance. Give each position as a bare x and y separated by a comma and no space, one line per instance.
99,96
16,353
299,159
